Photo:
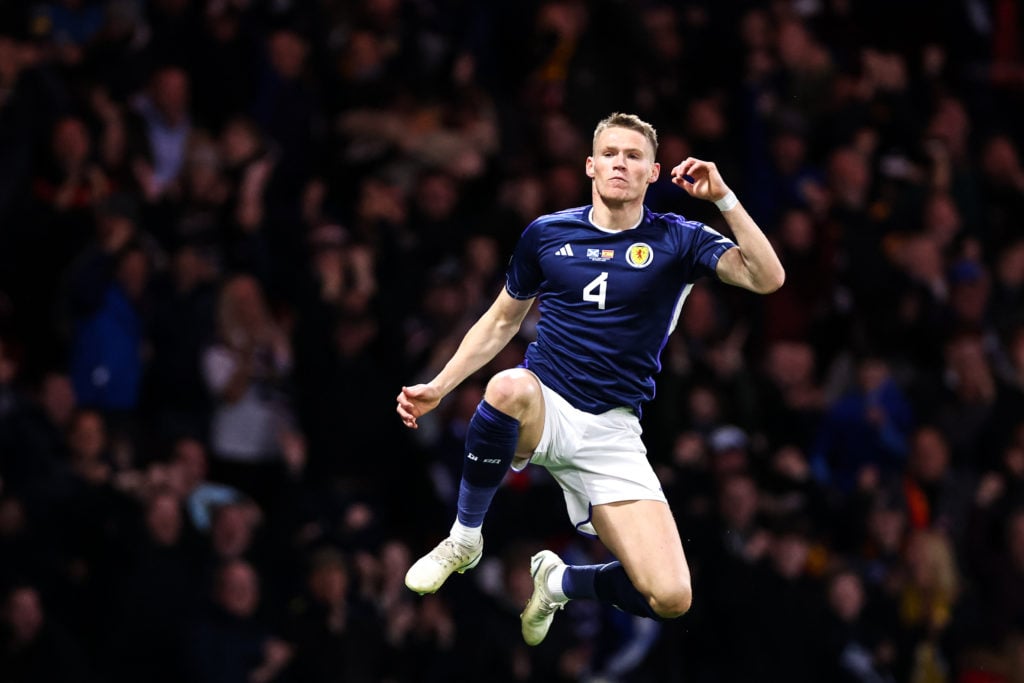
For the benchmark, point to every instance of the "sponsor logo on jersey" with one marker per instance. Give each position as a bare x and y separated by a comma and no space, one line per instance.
565,251
600,254
639,255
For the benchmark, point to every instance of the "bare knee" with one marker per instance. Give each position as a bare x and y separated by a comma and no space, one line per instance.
672,602
513,392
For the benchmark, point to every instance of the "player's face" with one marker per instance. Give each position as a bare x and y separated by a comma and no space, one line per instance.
622,166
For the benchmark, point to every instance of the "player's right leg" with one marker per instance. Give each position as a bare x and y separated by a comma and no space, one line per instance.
508,421
611,491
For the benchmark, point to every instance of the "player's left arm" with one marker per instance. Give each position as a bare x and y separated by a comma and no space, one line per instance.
753,265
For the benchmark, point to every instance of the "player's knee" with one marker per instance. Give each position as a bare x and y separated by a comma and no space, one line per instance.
672,602
512,391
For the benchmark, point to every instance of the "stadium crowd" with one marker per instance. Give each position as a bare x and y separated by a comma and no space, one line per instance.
231,230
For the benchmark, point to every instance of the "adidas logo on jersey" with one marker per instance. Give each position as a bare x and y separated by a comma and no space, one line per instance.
565,251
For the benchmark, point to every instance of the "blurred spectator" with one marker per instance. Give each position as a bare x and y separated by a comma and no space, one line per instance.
71,186
71,24
925,603
157,596
250,165
67,188
860,232
287,105
965,405
107,307
938,497
437,216
171,24
233,533
942,221
968,296
223,84
200,496
788,644
344,272
1002,185
687,481
1010,371
194,209
564,186
338,365
26,551
34,647
481,270
736,542
1008,284
91,525
997,553
35,447
882,534
16,100
246,370
439,323
789,489
230,643
118,55
865,432
859,650
801,309
13,404
794,590
791,399
165,125
333,633
180,324
111,128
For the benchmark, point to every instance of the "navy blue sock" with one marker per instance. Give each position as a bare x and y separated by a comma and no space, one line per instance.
607,583
490,446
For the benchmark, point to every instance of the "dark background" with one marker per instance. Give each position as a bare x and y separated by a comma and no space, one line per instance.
231,230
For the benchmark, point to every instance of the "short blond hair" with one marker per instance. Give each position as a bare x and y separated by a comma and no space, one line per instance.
630,121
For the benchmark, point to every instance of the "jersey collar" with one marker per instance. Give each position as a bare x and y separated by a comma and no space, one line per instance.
590,219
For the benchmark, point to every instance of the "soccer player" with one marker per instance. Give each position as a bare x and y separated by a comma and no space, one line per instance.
611,278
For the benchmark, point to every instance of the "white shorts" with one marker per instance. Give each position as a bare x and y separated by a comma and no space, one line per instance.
596,459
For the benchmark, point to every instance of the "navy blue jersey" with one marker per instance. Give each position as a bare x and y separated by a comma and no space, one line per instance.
608,300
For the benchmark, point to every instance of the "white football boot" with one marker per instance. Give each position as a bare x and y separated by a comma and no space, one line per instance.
430,571
540,610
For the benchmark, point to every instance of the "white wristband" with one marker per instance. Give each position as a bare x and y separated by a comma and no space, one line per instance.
727,202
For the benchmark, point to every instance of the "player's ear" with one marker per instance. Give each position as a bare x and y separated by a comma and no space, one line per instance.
655,172
590,167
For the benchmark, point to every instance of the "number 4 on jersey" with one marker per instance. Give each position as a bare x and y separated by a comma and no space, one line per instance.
596,290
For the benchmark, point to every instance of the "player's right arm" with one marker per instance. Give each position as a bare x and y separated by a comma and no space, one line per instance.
482,342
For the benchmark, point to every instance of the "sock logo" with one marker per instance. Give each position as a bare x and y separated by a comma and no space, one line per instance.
492,461
472,457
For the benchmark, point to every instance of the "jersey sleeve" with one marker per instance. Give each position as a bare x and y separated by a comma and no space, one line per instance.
523,276
706,247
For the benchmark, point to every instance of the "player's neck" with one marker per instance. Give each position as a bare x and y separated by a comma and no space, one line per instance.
616,218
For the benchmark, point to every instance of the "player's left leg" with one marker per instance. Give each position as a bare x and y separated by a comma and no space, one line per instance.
650,579
642,534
